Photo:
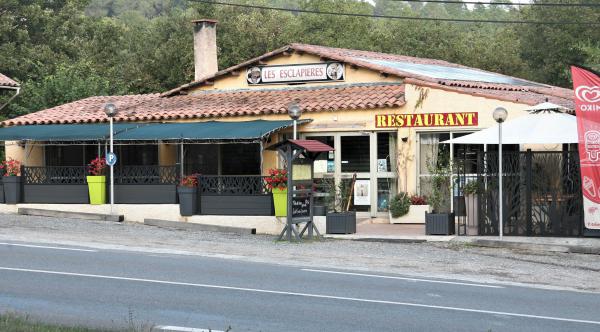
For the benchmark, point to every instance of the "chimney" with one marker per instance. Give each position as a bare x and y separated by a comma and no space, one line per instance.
205,48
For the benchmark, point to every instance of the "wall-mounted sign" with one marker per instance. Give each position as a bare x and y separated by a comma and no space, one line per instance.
426,120
310,72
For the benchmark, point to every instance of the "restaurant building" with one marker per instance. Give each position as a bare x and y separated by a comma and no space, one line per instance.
385,114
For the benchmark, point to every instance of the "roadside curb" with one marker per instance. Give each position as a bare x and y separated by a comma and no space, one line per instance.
564,248
199,227
69,214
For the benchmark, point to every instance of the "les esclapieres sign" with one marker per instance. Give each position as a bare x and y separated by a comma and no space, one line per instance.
309,72
427,120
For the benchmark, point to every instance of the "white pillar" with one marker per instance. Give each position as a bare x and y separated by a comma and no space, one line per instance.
112,171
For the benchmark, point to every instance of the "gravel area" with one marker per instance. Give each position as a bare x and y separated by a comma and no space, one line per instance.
444,260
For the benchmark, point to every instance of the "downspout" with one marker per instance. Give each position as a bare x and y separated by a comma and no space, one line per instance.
18,90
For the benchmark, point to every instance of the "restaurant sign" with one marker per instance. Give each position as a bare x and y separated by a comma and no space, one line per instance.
310,72
463,119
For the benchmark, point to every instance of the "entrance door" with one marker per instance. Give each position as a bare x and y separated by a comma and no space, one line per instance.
369,155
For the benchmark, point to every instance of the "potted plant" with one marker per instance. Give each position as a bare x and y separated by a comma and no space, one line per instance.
417,206
340,220
188,195
277,183
440,221
321,208
471,191
11,180
97,181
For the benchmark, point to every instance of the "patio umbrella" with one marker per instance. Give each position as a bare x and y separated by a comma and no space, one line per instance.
535,128
546,107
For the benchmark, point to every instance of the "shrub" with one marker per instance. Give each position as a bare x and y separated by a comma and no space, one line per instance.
471,188
190,181
277,179
11,167
399,205
418,200
97,166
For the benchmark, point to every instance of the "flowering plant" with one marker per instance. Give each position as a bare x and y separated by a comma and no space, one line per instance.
277,179
418,200
190,181
11,167
97,166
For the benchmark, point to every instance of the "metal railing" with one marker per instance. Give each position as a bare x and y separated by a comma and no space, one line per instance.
153,174
232,185
54,174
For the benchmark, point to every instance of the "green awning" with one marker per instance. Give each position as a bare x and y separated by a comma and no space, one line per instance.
213,131
62,132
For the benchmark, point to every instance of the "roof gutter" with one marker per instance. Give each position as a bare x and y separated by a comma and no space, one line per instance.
17,89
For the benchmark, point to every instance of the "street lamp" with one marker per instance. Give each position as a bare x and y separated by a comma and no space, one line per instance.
111,111
500,114
294,112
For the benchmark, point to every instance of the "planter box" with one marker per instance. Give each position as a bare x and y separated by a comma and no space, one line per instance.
1,192
415,215
56,193
340,222
471,203
146,194
319,210
439,223
236,205
187,200
12,189
97,189
280,202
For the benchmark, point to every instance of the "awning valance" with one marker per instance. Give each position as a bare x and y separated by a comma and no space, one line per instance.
213,131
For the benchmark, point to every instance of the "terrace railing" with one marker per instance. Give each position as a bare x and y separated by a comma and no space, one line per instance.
54,175
154,174
232,185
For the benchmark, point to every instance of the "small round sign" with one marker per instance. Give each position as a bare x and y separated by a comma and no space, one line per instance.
111,159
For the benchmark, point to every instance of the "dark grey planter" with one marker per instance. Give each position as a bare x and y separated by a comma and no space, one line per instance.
439,223
188,198
340,222
320,210
1,193
12,189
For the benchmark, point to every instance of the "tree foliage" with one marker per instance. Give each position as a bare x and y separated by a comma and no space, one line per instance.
64,50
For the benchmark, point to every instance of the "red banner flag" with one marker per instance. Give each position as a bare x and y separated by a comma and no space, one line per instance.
587,100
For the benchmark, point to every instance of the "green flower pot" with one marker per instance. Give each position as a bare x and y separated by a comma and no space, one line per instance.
280,201
97,189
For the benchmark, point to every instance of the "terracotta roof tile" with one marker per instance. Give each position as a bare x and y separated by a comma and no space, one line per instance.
523,92
6,81
153,107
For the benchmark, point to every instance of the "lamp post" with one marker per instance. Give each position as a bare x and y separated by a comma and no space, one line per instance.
500,114
111,110
295,113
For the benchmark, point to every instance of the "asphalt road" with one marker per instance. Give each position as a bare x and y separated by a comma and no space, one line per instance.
108,288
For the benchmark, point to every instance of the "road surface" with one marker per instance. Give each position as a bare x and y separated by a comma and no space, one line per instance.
112,289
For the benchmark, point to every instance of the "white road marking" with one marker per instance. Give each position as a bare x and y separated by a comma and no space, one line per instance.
403,278
45,247
181,329
318,296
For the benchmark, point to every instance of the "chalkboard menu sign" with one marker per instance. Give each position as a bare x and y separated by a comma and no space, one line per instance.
301,206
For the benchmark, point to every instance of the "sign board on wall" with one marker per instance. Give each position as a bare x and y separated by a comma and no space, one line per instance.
467,119
310,72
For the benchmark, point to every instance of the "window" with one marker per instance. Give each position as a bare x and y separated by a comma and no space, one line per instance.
240,159
137,155
386,152
325,162
355,153
201,159
70,155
